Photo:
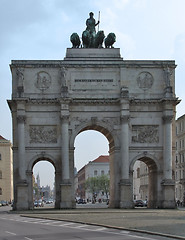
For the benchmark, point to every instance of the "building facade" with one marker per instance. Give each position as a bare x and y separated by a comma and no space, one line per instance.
95,168
6,170
180,160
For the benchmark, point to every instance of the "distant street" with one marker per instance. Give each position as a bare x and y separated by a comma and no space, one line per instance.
15,227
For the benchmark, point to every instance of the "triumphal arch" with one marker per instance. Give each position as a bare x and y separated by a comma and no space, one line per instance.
131,102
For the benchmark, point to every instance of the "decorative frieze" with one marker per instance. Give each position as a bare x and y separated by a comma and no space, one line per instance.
43,134
145,133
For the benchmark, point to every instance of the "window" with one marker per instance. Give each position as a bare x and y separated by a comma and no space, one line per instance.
0,174
102,172
95,172
0,191
0,156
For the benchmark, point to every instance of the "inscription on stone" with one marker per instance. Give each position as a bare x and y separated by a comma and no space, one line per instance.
93,80
43,81
145,133
43,134
145,80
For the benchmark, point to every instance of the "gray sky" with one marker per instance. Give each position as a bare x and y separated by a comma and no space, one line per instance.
40,29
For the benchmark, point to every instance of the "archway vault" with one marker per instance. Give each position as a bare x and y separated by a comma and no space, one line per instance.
148,159
107,131
41,157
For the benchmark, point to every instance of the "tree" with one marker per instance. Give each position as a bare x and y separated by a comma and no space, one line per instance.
104,183
91,184
96,184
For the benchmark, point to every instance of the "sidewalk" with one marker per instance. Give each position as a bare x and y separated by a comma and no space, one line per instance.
169,223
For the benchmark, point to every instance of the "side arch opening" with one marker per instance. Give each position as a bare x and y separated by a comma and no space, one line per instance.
43,183
145,182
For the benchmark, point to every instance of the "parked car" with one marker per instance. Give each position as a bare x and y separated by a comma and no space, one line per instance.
38,203
81,201
49,201
139,203
4,203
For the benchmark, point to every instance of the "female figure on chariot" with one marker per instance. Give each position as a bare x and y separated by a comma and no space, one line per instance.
91,24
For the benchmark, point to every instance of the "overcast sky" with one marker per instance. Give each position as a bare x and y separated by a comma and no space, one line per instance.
40,29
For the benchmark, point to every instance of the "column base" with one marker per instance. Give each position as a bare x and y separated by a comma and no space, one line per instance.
67,198
21,201
126,198
168,188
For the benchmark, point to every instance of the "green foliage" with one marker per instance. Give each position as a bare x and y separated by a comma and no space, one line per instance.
96,184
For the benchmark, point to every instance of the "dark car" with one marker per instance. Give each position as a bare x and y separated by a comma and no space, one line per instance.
81,201
4,203
139,203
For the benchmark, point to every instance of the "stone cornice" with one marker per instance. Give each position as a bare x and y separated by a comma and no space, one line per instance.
173,101
92,62
96,101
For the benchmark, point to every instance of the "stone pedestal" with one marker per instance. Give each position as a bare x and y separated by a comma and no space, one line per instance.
67,200
22,197
126,194
168,189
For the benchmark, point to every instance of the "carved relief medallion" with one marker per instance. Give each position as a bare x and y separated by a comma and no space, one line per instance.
43,134
145,80
145,133
43,81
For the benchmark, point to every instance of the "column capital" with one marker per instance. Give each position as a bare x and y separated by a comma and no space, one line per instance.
125,118
21,118
64,118
167,119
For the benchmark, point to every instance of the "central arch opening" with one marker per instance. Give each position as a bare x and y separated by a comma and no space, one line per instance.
91,160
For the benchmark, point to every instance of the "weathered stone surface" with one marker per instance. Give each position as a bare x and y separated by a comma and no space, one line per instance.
126,100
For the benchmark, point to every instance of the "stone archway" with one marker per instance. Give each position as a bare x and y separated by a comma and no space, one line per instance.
108,132
32,163
131,102
153,177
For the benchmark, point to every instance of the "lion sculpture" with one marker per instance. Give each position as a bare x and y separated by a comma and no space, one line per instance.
75,40
110,40
99,39
86,39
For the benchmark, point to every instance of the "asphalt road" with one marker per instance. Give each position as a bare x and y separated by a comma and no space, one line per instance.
15,227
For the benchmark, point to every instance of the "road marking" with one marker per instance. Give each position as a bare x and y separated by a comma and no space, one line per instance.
11,233
28,238
125,232
53,222
100,229
81,226
67,224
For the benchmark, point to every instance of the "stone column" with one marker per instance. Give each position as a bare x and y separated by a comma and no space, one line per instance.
65,186
65,147
168,184
167,144
21,146
124,147
126,199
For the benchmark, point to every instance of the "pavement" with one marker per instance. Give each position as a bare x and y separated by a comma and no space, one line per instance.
163,222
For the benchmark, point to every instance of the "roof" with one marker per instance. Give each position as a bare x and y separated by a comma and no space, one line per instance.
101,159
2,138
